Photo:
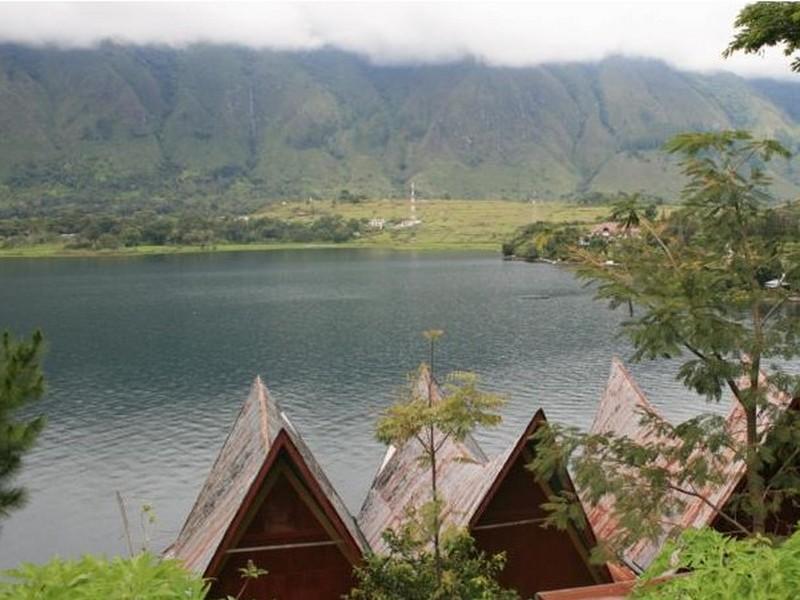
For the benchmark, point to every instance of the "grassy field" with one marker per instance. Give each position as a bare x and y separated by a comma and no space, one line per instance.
446,225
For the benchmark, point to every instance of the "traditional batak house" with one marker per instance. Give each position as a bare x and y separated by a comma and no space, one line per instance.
498,501
620,413
267,500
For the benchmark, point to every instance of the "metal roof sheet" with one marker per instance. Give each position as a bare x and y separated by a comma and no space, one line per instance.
619,412
244,452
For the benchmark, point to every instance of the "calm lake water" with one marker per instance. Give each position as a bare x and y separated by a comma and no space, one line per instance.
149,359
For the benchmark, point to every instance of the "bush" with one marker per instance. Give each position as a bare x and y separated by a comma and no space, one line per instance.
723,568
408,572
142,577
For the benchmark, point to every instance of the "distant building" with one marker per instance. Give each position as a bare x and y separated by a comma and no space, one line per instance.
377,223
612,229
407,223
268,500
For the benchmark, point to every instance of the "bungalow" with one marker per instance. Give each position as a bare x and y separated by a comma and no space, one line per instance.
620,411
267,500
498,501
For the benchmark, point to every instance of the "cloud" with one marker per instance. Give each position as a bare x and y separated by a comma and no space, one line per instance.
687,35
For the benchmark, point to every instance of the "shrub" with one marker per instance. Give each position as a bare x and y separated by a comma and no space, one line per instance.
723,568
143,577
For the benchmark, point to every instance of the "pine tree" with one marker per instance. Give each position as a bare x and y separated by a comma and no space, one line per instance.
21,383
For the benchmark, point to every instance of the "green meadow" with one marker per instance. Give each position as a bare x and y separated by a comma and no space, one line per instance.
446,225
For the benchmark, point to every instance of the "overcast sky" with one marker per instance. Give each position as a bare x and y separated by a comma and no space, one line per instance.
689,35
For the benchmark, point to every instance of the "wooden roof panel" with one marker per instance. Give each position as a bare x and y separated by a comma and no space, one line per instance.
239,462
402,483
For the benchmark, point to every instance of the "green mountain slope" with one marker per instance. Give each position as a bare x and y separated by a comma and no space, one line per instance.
136,125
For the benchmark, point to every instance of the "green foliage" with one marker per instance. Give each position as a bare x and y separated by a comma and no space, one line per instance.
722,568
419,417
767,24
21,383
147,127
462,408
143,577
542,240
695,286
408,571
108,231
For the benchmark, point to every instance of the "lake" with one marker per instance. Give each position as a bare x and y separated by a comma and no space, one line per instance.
149,359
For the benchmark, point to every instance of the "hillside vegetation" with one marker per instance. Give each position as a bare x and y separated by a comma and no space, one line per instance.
227,127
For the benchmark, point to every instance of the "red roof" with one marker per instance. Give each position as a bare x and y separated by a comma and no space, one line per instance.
606,591
620,412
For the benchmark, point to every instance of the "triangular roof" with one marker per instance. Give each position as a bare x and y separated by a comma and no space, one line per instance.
401,482
495,472
468,486
699,513
259,435
620,412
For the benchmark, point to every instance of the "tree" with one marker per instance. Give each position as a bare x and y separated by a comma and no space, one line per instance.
21,382
418,552
767,24
695,282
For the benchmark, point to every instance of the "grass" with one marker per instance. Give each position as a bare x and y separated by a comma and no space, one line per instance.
471,224
446,225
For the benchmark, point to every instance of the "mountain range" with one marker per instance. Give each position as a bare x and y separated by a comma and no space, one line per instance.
122,120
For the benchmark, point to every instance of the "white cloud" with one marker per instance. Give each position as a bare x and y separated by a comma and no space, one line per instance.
689,35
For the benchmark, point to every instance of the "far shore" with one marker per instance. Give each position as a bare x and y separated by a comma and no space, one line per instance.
60,251
446,225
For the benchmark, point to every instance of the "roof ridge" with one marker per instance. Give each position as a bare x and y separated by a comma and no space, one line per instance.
261,397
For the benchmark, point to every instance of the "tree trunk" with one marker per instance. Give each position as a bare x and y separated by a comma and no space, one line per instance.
437,555
755,482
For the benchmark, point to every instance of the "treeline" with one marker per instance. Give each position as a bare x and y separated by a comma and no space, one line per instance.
553,241
540,240
106,232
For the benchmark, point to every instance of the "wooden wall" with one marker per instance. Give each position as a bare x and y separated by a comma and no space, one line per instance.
537,559
304,559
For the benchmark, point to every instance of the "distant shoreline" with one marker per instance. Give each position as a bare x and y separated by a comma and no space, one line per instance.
59,251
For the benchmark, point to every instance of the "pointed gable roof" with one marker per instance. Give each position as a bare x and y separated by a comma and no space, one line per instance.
620,413
495,473
259,434
697,512
401,482
467,480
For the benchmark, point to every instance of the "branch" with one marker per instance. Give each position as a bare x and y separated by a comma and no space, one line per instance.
716,508
422,443
438,446
787,462
773,310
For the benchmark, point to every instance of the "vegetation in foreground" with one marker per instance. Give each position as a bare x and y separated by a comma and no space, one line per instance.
142,577
425,561
21,384
711,566
710,285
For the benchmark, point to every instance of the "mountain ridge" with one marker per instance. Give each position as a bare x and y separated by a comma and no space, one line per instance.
129,122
